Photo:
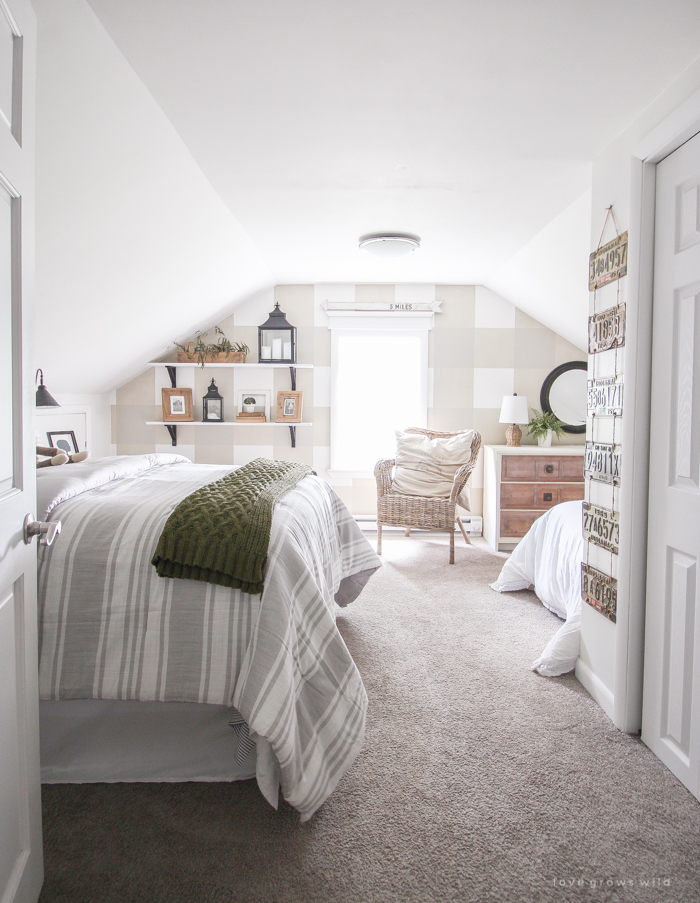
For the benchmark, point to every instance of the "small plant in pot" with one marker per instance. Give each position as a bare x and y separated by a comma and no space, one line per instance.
249,404
542,425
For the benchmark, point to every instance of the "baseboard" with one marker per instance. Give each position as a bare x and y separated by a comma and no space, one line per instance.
596,688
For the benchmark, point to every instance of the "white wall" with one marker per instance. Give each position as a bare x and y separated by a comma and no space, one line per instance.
133,245
610,663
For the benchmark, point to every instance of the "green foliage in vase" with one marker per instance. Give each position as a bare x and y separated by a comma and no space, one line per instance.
206,351
249,400
541,422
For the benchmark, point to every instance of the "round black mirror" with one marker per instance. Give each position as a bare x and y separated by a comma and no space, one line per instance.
564,394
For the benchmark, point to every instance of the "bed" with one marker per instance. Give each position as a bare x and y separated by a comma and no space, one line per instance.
549,558
146,678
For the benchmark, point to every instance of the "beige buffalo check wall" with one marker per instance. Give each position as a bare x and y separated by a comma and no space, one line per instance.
481,349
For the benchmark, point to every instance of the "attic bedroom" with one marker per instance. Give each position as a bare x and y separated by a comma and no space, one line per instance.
350,451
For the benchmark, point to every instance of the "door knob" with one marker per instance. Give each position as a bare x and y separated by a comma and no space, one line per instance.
40,528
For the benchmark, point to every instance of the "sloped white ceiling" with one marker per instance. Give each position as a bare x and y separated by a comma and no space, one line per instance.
192,151
551,273
134,246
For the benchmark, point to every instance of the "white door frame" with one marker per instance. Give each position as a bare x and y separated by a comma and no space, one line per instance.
666,137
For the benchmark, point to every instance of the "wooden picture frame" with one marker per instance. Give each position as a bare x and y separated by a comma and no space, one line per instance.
289,407
178,406
63,439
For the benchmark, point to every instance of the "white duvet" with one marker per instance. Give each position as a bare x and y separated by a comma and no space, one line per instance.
549,558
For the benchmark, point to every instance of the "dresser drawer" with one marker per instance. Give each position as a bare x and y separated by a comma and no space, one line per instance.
539,495
516,523
530,468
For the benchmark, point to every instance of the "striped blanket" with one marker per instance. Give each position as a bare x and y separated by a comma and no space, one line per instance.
110,628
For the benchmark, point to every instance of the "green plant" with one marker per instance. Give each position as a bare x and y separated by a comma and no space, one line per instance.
541,422
249,400
203,350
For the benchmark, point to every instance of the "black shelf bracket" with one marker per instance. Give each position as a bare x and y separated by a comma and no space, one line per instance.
172,429
293,374
293,434
173,377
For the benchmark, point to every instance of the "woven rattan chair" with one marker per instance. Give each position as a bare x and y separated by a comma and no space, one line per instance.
408,511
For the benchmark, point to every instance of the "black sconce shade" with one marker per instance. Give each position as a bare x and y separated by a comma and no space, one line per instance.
44,399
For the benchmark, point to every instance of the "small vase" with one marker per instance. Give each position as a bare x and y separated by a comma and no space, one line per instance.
545,441
249,408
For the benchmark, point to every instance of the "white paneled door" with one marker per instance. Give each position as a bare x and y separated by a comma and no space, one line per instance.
21,865
671,712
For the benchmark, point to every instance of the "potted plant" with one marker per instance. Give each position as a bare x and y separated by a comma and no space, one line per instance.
249,404
222,351
542,425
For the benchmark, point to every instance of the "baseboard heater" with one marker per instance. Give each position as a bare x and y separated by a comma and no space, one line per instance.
473,524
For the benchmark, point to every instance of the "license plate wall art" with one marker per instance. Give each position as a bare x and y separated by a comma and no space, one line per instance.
606,330
599,591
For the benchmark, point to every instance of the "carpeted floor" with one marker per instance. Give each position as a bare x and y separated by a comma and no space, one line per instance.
478,781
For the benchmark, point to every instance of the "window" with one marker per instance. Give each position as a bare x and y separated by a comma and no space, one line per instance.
379,383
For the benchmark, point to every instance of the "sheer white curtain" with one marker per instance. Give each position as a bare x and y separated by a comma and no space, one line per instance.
379,383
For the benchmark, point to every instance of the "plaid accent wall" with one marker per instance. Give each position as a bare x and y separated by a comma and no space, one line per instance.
481,349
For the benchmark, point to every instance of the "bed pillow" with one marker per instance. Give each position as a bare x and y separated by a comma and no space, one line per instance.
426,467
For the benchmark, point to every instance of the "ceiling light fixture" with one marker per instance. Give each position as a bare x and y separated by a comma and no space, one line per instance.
389,245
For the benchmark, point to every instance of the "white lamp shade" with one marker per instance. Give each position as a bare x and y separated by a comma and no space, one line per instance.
514,409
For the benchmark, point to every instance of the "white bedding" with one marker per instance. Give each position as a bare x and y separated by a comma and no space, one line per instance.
549,558
111,629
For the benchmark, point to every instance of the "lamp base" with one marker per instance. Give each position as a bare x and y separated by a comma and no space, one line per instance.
513,435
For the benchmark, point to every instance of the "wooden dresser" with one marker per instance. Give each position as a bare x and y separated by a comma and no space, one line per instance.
520,484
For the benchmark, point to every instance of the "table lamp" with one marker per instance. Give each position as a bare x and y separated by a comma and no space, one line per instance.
514,410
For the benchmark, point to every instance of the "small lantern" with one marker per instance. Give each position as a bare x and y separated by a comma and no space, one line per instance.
277,339
212,405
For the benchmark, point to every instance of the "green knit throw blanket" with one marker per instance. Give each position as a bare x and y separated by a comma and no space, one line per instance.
221,533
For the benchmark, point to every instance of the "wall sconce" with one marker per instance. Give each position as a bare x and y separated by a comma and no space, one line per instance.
44,399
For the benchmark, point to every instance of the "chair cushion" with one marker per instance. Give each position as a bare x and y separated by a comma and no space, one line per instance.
426,467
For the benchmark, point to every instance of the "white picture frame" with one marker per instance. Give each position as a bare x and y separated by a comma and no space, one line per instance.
263,400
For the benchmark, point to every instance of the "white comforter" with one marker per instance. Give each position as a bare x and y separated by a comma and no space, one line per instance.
549,557
111,628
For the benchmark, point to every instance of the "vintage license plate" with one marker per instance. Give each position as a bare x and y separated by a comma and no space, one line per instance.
608,263
601,526
603,462
605,396
599,591
606,330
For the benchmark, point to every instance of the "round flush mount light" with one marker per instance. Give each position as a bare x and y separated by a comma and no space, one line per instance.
389,245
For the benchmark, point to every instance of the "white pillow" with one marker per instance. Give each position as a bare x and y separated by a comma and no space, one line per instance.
426,467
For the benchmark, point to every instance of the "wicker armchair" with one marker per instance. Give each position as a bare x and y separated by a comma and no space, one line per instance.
408,511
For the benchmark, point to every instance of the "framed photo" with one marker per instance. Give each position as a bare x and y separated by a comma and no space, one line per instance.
63,439
177,405
289,407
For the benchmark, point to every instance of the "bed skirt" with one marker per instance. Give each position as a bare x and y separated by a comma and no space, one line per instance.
85,741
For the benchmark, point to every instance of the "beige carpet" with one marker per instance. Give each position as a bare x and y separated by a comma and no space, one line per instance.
478,781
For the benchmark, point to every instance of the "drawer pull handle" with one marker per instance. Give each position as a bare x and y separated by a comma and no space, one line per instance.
549,468
547,496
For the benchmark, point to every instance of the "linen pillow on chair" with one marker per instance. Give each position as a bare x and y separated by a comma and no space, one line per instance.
426,467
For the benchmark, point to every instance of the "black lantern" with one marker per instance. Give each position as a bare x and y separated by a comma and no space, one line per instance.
212,405
277,340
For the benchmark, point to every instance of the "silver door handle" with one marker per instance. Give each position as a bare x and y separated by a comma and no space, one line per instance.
40,528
